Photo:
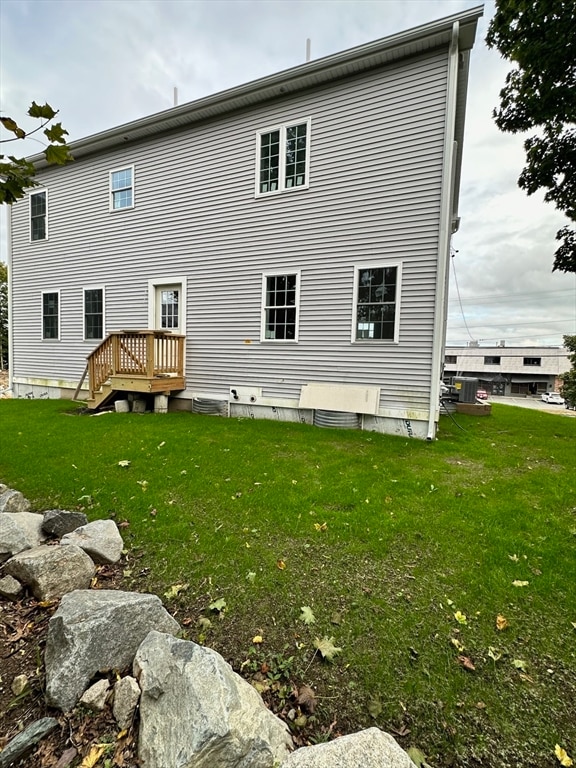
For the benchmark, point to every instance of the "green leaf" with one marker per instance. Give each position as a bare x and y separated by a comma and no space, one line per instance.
519,664
204,623
58,155
326,648
44,111
418,757
12,126
175,590
306,615
56,133
218,605
375,708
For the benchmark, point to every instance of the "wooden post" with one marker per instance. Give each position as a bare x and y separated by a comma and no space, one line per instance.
150,363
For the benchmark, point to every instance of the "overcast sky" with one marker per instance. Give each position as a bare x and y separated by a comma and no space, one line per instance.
106,62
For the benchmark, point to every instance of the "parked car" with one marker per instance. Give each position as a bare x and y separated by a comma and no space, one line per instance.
553,398
481,394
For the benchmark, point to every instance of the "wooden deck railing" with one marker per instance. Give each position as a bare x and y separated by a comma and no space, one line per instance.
135,353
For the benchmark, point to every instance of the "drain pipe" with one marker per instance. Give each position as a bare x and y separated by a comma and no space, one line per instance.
442,272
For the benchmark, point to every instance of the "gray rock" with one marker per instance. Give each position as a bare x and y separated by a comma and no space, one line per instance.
25,741
19,531
58,522
371,748
3,488
13,501
51,572
96,631
95,697
10,588
126,695
100,539
195,711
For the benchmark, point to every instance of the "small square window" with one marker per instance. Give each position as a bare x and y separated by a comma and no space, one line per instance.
122,188
533,361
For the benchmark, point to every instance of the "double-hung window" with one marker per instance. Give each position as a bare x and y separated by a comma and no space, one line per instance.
39,215
283,159
50,314
122,188
376,302
280,306
93,313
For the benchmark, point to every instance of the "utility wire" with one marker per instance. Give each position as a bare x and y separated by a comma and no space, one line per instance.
452,254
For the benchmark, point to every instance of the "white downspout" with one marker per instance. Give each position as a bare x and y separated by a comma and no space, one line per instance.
442,272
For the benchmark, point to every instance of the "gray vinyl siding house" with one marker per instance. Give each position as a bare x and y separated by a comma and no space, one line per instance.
305,276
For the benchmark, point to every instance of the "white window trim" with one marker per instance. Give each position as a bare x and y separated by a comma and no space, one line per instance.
110,192
42,294
282,170
158,283
277,273
94,288
36,191
383,264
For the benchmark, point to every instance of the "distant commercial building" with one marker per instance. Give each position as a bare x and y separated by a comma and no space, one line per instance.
505,370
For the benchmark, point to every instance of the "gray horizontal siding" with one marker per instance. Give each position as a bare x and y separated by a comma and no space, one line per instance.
375,186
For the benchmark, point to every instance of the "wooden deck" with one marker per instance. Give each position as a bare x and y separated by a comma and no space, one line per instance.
135,361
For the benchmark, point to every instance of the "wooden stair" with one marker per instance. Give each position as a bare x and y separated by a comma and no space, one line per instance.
150,362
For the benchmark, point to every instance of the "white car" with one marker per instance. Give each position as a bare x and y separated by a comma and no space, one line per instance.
554,398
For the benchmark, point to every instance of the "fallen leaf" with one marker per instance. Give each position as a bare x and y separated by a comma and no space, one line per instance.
163,443
257,639
218,605
124,463
306,615
250,576
501,622
326,647
92,757
494,653
518,583
457,644
466,663
375,708
321,526
418,757
562,756
514,558
281,565
204,623
175,590
307,699
519,664
460,617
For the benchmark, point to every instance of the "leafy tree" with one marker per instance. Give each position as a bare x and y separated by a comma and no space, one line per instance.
539,37
16,173
568,388
3,316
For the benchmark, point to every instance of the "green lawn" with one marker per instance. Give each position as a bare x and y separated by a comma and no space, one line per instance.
406,553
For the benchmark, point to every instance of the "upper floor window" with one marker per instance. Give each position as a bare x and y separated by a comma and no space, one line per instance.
450,359
280,305
50,314
93,313
283,158
532,361
492,360
122,188
38,215
376,302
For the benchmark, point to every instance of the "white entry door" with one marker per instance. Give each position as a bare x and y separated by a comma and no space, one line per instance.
168,308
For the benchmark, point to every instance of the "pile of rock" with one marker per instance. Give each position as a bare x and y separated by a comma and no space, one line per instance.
194,711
